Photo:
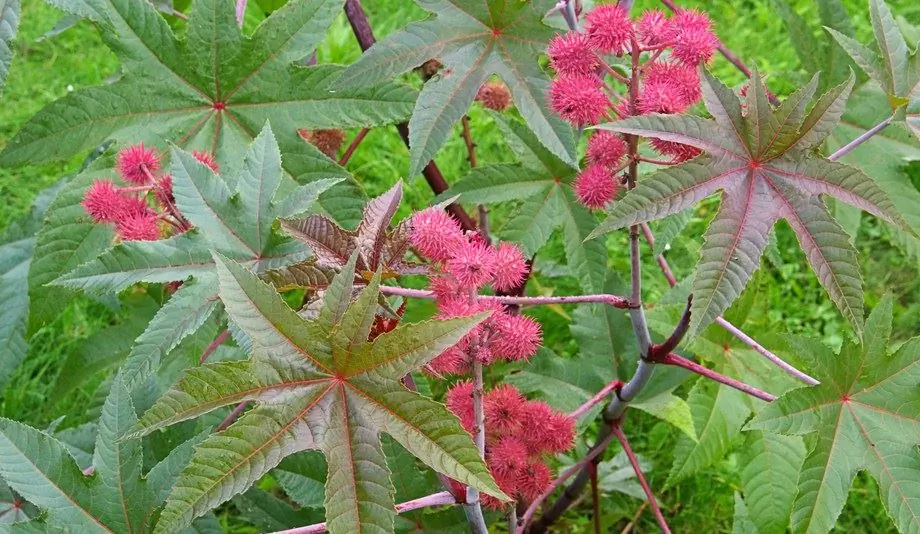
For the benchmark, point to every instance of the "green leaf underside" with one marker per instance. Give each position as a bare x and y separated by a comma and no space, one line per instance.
865,415
9,22
473,41
762,164
319,385
217,100
116,498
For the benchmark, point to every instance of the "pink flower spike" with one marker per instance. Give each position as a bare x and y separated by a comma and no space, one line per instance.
609,28
135,163
472,264
436,234
102,201
678,152
518,337
579,99
138,226
208,159
607,149
595,187
654,28
571,53
510,267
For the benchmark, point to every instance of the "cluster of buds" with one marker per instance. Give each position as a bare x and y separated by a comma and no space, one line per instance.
520,433
327,141
129,208
463,263
494,95
587,89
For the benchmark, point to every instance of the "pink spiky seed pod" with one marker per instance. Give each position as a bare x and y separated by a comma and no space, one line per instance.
102,201
607,149
654,28
207,159
138,226
503,408
595,187
510,267
518,337
663,97
684,77
695,41
430,68
538,417
609,29
328,141
163,191
472,264
506,483
571,53
459,401
533,480
436,234
494,96
579,99
452,361
507,457
560,435
678,152
136,164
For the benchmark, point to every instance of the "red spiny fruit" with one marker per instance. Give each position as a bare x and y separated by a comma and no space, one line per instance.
494,95
102,201
327,141
518,337
533,480
452,361
538,418
507,483
436,234
579,99
678,152
503,407
472,264
135,164
595,187
609,28
571,53
654,28
138,226
163,191
684,77
208,159
459,400
695,42
507,457
662,97
510,267
607,149
560,435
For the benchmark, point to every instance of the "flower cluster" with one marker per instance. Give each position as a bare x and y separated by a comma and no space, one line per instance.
128,208
584,91
464,264
519,434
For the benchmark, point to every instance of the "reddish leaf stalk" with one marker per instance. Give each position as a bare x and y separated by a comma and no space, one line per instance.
437,499
616,301
473,508
846,149
679,361
353,146
232,416
218,341
595,497
598,397
468,140
621,437
240,12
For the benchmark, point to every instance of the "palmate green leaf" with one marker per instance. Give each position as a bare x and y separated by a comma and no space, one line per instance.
115,498
319,385
473,40
865,415
770,478
236,221
9,22
763,165
213,90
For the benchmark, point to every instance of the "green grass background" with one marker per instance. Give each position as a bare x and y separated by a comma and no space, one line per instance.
791,299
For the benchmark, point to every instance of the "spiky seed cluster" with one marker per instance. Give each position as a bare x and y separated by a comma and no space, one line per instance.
595,187
207,159
463,264
580,89
127,208
607,149
327,141
520,433
494,96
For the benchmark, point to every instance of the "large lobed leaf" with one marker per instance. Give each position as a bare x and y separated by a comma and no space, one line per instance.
762,162
474,40
865,415
320,384
237,221
9,22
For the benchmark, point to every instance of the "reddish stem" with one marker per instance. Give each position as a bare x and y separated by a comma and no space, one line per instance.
232,416
595,497
611,300
468,140
353,146
596,399
680,361
621,437
218,341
